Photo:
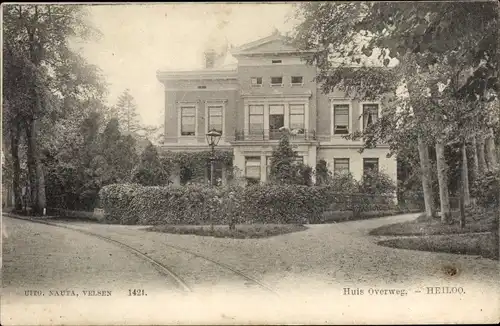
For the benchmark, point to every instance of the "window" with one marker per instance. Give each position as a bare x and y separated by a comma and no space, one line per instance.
188,120
370,114
256,118
297,117
340,165
215,118
276,81
276,120
202,87
297,80
276,61
370,164
252,167
256,81
340,119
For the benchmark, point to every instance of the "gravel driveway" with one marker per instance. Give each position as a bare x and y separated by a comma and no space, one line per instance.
310,270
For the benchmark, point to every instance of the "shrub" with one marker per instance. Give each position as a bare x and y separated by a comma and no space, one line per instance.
376,183
323,175
378,191
374,192
272,203
115,200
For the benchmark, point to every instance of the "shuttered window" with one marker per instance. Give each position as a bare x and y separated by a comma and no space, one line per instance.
341,119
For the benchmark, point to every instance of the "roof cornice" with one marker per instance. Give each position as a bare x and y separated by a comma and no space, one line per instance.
196,75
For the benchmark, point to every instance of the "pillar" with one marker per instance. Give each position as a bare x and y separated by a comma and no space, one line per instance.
263,168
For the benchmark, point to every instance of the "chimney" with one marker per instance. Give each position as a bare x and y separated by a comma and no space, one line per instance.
210,56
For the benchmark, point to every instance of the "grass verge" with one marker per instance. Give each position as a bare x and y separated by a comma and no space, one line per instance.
465,244
244,231
475,222
347,216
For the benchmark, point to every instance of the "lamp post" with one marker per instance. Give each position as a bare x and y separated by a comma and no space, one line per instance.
213,137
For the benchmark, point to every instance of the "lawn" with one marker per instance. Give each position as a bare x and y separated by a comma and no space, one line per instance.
465,244
346,216
474,222
476,238
243,231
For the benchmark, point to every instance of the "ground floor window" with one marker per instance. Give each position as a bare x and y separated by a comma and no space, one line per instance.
340,165
252,168
370,164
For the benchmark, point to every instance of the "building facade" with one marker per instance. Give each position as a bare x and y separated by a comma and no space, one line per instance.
251,101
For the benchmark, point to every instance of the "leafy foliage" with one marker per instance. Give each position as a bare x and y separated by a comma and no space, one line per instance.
76,174
49,86
487,188
436,79
376,183
284,166
193,166
322,173
150,171
198,204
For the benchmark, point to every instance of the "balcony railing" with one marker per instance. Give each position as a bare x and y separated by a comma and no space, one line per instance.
267,134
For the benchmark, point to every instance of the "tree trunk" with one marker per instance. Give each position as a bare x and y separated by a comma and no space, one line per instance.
35,169
496,230
15,134
491,155
481,155
465,176
442,171
423,150
475,159
30,159
426,174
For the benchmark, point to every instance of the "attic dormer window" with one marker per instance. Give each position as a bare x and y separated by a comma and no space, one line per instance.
276,61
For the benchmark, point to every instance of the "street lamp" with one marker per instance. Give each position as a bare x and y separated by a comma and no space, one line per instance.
213,137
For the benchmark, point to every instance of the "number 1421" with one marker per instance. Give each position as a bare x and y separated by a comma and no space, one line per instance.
136,293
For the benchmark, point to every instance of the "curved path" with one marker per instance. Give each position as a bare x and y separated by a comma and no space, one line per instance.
309,269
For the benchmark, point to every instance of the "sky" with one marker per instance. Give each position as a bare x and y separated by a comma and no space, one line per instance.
139,39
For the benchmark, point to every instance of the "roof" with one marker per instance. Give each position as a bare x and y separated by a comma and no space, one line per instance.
226,63
272,44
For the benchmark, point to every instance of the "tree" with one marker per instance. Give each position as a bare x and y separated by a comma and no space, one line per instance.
150,171
283,168
126,112
118,152
423,37
37,38
14,97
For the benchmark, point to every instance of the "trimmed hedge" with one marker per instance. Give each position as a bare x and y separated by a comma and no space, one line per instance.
201,205
198,204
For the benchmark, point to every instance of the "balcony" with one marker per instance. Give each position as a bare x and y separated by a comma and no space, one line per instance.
269,134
